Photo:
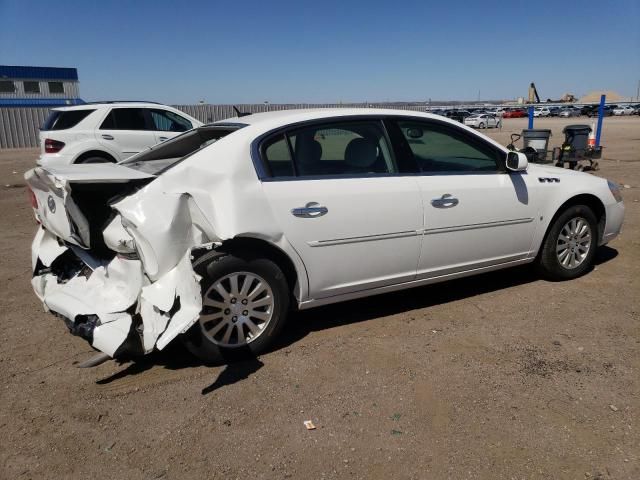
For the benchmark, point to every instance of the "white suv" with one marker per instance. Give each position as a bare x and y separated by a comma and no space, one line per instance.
108,132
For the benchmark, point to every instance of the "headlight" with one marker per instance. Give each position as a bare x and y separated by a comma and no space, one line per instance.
615,190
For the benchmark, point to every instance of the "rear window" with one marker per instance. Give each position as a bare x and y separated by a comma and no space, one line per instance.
165,155
61,120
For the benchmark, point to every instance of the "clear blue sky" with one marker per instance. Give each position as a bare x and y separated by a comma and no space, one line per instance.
328,51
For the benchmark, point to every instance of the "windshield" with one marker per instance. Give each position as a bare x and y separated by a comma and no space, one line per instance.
165,155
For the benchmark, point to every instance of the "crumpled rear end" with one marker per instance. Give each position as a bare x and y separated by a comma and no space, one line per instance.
111,302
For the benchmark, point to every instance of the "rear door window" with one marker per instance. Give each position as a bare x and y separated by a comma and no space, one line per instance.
353,148
126,119
278,157
166,121
62,120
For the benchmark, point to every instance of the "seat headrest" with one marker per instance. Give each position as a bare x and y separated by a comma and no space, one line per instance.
361,152
309,153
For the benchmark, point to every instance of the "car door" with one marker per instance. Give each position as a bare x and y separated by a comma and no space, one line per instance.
167,124
126,131
340,198
475,213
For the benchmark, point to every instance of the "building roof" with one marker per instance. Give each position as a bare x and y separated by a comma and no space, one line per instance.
38,73
40,102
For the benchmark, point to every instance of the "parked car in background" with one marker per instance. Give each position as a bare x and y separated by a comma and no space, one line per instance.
569,112
624,110
636,109
587,109
554,111
212,236
515,113
108,132
607,112
457,115
482,120
541,112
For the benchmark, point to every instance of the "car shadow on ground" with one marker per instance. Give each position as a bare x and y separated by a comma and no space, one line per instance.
302,323
355,311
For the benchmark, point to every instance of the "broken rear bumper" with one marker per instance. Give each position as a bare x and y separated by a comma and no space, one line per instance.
112,303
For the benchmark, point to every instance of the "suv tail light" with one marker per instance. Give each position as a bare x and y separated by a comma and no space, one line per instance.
52,146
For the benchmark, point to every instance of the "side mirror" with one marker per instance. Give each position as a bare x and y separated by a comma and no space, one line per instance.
517,162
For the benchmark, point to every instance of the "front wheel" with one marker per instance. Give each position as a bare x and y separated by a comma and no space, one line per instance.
570,244
245,301
481,125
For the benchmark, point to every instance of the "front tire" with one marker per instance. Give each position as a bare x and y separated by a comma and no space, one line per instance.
245,302
570,244
481,125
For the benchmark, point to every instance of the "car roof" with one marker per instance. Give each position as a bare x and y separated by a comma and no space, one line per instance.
285,117
96,105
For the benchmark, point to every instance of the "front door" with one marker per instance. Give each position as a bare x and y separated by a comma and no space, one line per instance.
336,192
475,213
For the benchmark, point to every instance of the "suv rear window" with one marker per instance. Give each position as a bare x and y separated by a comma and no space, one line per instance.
61,120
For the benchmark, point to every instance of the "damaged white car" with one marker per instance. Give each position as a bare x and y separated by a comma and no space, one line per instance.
215,235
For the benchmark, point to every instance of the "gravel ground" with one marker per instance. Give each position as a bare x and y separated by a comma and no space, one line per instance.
501,376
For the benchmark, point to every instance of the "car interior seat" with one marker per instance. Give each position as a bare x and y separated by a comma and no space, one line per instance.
361,156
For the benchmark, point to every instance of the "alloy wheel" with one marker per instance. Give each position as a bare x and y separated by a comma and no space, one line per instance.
574,243
236,309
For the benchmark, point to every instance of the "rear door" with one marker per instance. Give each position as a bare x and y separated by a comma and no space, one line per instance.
344,205
126,131
167,124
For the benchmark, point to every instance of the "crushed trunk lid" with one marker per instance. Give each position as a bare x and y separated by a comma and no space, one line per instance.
72,199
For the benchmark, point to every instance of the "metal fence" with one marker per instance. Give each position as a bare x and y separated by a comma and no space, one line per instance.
19,126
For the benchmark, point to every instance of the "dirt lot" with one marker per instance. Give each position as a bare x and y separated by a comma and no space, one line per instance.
502,376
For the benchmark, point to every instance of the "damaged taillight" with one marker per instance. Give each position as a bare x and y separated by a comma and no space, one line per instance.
32,198
52,146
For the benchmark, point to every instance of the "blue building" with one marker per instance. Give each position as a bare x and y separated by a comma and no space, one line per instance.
22,86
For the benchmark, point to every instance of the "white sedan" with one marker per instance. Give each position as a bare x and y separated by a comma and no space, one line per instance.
542,112
214,235
624,110
483,120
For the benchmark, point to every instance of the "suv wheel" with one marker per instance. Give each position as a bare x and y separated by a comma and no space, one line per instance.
570,244
245,301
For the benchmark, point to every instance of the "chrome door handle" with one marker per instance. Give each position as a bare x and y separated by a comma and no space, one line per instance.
445,201
162,139
310,210
107,137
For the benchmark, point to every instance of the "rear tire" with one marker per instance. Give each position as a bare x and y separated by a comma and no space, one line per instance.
245,305
570,244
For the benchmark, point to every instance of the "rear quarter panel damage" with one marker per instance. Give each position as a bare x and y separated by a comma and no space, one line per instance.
211,197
